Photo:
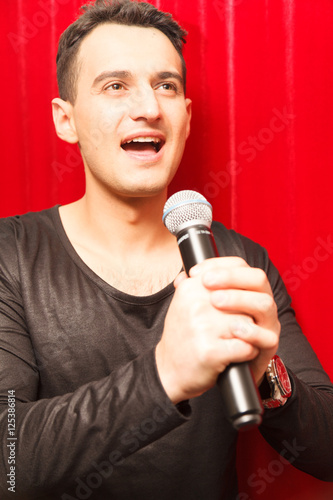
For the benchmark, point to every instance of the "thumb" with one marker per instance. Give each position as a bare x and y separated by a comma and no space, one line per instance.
181,277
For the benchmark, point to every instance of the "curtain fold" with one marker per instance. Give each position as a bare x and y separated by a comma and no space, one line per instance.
260,76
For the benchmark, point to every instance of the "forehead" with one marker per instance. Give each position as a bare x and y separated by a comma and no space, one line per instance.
131,48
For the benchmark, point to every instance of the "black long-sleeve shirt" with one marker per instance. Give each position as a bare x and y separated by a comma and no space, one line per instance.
92,419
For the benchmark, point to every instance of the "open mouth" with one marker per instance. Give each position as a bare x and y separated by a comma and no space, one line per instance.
143,145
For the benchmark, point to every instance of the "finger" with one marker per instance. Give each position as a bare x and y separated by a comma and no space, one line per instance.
241,277
260,306
259,337
181,277
232,351
220,262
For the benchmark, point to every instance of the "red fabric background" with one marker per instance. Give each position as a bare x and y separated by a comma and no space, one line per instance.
261,78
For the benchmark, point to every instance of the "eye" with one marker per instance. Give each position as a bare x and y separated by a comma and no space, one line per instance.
115,86
169,87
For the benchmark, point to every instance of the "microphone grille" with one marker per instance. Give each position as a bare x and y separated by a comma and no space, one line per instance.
184,207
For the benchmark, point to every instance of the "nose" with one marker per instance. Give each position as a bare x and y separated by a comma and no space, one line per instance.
145,105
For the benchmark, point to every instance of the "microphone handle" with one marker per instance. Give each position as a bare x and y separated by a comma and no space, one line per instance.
238,389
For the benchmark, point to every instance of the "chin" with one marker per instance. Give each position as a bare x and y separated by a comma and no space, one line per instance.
137,191
150,187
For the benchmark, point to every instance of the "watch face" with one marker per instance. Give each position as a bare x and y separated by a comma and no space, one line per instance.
283,377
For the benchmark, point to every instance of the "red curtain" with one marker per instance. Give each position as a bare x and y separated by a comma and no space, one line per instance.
261,78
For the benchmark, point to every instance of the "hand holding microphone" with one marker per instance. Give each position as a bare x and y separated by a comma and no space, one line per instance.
211,317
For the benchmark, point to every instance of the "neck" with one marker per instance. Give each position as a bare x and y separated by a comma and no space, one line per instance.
135,221
124,241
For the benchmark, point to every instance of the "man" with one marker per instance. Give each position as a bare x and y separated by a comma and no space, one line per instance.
109,356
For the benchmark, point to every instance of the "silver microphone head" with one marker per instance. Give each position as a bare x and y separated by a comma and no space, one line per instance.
184,208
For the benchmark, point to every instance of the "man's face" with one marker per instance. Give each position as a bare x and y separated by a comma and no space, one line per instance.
130,116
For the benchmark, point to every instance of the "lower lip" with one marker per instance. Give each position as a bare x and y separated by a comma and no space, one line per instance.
145,157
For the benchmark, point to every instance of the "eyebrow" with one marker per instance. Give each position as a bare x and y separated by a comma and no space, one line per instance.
111,74
165,75
162,75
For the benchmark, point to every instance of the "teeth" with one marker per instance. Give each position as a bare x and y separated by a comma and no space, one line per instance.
156,140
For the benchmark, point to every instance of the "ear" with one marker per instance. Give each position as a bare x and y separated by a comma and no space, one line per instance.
63,120
188,104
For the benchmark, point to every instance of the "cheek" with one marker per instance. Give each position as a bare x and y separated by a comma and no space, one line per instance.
183,124
96,128
181,133
98,137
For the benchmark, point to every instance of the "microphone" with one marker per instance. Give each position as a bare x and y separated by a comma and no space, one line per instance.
188,216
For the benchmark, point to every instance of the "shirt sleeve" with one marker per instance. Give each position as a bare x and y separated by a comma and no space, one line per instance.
302,429
47,443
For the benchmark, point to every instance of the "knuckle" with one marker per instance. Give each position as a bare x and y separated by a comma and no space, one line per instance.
241,262
267,304
237,261
261,277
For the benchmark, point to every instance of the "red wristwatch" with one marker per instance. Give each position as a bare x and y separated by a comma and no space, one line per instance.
279,383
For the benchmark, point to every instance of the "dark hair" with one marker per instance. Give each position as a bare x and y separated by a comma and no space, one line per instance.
126,12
